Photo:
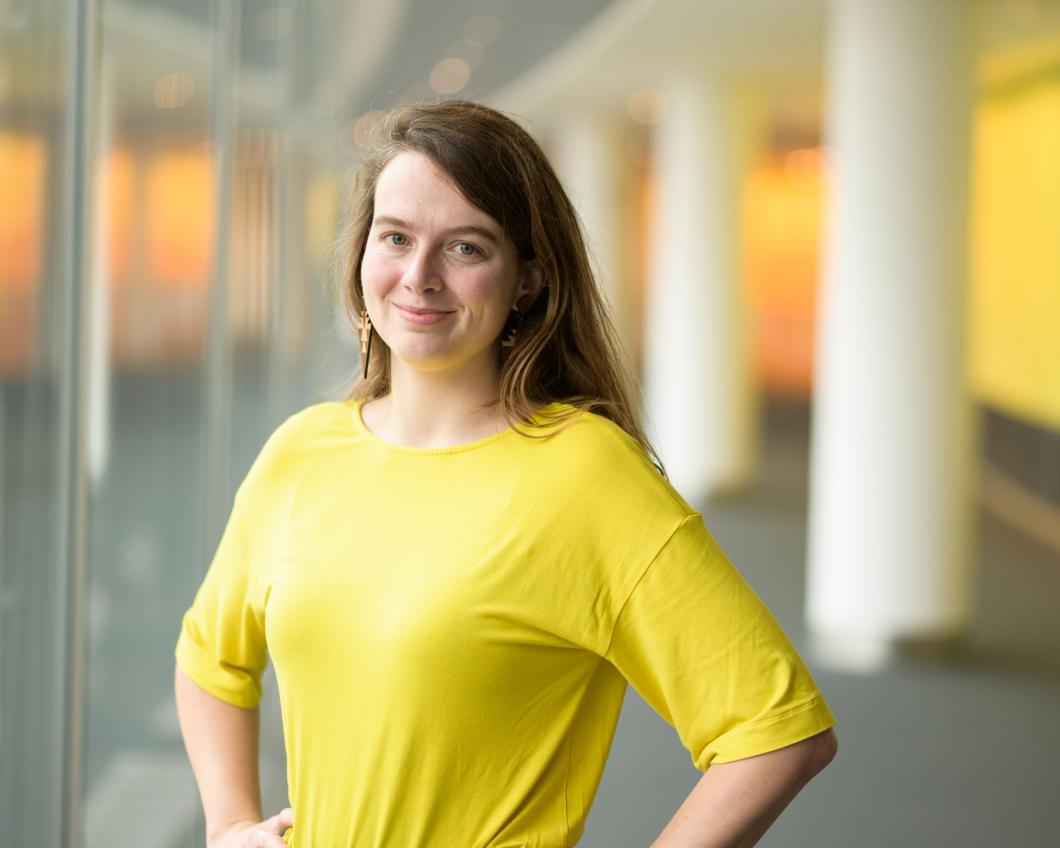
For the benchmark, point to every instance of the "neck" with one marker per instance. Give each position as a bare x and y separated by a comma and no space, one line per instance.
441,407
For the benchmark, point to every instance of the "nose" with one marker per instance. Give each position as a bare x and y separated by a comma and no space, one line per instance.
421,272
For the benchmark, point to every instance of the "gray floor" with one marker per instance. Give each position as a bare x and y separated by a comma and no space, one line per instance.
956,752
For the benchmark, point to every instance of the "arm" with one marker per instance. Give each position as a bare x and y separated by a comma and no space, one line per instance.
735,803
222,744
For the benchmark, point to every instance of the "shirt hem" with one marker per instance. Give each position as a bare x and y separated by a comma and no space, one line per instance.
758,737
190,659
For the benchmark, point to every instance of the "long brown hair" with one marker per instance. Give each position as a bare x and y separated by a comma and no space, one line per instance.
566,348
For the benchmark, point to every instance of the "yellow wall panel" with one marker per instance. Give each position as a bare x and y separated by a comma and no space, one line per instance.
1015,251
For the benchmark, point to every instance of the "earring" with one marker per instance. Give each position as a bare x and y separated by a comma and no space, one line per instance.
365,326
509,340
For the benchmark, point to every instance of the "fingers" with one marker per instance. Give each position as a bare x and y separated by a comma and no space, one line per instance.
266,836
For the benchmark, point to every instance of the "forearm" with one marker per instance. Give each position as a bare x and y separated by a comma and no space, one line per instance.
733,804
222,745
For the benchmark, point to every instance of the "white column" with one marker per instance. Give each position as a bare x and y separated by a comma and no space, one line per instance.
700,399
888,552
589,154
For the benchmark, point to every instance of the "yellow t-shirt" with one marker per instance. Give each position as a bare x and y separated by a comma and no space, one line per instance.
452,629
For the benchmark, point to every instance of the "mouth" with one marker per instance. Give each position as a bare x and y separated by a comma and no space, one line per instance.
421,316
416,311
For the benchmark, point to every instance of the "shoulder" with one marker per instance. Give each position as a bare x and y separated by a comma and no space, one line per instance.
592,442
311,422
595,456
297,436
316,419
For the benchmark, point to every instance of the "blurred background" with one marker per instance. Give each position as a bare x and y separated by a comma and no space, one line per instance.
829,231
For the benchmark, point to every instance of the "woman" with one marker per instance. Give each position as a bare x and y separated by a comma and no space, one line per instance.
457,570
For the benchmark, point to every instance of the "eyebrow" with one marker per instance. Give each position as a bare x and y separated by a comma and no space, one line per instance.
466,228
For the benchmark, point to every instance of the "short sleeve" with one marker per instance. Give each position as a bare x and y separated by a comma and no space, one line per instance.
703,650
221,645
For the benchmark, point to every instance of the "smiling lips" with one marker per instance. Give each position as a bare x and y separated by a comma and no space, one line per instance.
421,316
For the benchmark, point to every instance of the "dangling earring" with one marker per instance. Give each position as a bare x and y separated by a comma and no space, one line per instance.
509,340
365,326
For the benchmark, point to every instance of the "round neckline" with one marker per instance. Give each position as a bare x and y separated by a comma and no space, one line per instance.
362,428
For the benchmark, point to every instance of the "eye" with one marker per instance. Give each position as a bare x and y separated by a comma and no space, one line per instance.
470,250
402,240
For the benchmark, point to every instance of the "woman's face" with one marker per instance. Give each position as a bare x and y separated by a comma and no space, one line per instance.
429,249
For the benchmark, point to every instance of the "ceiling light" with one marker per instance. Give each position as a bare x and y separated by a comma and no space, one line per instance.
450,75
647,106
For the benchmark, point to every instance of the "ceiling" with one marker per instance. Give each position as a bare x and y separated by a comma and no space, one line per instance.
781,43
328,61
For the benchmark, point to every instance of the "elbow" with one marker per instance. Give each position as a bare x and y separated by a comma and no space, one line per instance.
823,748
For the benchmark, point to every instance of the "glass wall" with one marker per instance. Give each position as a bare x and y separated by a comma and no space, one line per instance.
38,149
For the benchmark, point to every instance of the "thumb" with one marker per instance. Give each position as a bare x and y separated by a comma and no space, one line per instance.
286,817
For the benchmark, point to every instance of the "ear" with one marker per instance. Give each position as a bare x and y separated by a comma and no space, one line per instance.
531,281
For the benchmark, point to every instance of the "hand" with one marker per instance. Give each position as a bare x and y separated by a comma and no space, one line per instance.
252,834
